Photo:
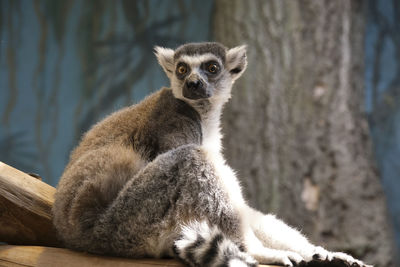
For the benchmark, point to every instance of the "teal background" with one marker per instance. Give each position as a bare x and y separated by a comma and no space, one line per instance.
64,65
382,97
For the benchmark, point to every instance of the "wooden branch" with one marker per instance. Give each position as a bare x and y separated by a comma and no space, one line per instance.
25,209
33,256
60,257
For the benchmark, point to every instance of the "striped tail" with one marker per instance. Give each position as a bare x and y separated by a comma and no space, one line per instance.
202,245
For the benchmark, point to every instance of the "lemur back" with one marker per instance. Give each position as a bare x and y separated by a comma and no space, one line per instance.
150,180
157,124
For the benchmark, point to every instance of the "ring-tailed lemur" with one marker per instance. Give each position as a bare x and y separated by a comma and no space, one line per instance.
150,179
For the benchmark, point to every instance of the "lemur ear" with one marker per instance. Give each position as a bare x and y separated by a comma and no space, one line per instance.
165,57
236,61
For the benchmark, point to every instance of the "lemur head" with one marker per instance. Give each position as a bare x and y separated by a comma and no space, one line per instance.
202,70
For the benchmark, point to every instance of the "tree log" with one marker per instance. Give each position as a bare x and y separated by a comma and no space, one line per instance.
60,257
25,209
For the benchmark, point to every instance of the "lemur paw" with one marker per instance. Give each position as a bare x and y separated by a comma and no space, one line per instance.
294,259
242,260
286,258
324,255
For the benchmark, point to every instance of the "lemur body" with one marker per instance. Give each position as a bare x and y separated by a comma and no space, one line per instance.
150,179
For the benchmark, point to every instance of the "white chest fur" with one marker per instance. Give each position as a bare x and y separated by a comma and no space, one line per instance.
212,145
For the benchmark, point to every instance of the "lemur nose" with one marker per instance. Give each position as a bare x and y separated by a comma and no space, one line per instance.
194,84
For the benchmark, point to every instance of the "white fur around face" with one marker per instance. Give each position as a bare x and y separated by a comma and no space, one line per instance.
194,62
197,60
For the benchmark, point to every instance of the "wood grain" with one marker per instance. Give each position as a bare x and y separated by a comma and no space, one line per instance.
48,256
25,209
35,256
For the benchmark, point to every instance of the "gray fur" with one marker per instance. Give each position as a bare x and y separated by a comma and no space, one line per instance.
148,207
192,49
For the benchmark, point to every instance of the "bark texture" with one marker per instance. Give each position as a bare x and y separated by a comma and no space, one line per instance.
295,127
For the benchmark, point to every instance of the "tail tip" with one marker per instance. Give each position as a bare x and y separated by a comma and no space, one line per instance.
202,245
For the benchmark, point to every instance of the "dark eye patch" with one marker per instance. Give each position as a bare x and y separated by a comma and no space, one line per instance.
211,67
182,69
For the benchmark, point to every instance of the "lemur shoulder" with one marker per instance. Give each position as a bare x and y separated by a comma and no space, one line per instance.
150,180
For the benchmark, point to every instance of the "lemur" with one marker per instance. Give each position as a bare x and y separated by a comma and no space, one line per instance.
150,180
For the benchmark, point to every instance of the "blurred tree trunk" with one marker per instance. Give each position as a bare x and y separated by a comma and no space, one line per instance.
295,127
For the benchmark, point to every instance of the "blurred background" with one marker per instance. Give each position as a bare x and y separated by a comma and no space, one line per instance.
313,127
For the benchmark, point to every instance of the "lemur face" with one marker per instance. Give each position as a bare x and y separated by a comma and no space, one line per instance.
198,75
202,70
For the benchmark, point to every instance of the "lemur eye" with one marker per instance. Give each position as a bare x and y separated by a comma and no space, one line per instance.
212,67
182,69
